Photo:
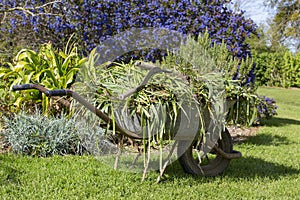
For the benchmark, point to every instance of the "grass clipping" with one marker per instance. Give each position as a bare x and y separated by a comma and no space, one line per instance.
193,77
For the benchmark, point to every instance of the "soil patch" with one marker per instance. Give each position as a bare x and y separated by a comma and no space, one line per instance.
4,146
240,134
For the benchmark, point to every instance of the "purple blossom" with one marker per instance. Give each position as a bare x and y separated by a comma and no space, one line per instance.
94,20
266,107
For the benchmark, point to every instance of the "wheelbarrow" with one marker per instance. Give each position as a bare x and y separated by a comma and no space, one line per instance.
212,163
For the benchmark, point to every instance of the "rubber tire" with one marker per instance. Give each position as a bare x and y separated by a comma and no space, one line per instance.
218,165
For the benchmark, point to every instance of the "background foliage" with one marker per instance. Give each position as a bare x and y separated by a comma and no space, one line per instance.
53,20
284,27
281,69
95,21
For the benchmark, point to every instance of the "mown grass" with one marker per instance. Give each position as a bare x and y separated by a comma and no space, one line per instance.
269,169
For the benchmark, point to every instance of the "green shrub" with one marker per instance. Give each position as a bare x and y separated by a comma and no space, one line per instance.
291,75
268,68
280,69
49,67
45,136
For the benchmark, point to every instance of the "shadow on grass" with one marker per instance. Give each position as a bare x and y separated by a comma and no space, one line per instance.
250,167
8,174
278,121
267,140
243,168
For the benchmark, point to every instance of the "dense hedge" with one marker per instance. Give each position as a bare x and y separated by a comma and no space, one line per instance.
277,69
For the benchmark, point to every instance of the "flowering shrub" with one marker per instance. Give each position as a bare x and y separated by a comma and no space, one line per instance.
266,107
95,20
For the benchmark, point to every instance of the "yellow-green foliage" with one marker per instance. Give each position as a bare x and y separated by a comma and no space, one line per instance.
278,69
51,68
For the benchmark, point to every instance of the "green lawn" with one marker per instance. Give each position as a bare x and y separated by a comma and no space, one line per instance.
269,169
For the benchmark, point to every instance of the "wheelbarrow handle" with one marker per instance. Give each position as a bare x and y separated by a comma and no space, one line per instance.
23,87
49,93
60,92
80,99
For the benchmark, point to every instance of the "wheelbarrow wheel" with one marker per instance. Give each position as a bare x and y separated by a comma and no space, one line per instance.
212,164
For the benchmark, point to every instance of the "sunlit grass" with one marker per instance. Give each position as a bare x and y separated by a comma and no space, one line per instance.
269,169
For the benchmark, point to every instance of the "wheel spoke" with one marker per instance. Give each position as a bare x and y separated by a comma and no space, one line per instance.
207,163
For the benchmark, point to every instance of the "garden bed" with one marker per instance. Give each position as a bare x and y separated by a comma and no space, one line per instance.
238,134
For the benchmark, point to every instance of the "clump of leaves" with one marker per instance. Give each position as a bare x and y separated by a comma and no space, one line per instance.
54,69
105,86
39,135
195,75
201,61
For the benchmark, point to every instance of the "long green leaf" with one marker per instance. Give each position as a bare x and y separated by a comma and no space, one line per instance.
50,74
10,74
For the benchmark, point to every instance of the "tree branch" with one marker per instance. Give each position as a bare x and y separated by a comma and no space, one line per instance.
49,3
27,10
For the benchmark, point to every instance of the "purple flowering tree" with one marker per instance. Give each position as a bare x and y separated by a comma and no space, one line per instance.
94,21
28,24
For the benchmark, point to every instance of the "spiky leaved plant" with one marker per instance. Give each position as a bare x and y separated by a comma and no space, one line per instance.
52,68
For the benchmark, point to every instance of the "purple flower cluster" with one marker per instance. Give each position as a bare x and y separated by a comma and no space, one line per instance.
267,107
97,20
